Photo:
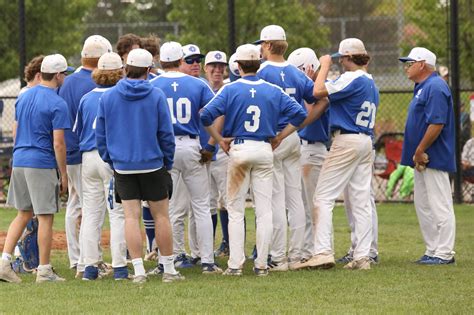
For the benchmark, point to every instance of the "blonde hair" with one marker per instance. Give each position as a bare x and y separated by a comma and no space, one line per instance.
107,77
278,47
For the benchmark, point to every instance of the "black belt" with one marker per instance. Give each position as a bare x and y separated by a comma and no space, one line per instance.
240,140
347,132
190,136
308,141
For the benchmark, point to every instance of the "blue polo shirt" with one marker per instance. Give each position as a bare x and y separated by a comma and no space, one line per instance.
432,103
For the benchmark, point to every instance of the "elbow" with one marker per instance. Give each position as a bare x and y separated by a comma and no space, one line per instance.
320,93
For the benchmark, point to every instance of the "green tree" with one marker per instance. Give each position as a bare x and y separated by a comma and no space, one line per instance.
205,22
429,18
51,26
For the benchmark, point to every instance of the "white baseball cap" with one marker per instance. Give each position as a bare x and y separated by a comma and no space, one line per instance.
247,52
54,64
95,46
304,57
191,50
234,69
271,32
171,51
420,54
110,61
140,58
215,56
350,46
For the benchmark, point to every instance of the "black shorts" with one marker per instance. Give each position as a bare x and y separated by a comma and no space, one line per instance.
154,186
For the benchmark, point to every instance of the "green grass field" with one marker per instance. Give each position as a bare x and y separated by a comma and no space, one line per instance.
396,285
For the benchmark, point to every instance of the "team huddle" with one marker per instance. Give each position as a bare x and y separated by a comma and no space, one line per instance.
127,138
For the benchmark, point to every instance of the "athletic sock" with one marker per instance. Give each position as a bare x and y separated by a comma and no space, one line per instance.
138,266
6,256
214,224
224,216
168,264
149,224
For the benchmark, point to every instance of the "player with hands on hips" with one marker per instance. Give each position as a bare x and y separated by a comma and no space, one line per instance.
252,108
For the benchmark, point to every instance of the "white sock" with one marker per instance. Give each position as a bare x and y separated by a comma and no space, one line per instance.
6,256
168,264
138,267
44,267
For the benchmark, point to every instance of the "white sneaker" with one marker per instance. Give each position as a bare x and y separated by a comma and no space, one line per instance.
6,272
105,269
278,265
359,264
320,261
48,275
140,279
170,277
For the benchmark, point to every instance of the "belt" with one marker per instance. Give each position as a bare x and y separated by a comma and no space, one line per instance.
347,132
305,142
180,137
240,140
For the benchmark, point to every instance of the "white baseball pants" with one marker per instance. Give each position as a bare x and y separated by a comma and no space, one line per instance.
218,178
312,159
348,164
195,178
287,195
249,162
181,206
434,208
73,213
96,181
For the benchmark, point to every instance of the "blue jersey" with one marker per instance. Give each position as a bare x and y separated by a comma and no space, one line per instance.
432,104
85,120
252,108
185,96
74,88
38,112
354,99
294,82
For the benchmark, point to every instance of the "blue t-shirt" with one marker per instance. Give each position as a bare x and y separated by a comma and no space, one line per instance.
294,82
432,104
185,96
85,120
74,88
354,99
38,112
252,108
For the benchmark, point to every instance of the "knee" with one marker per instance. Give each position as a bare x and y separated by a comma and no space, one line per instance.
24,216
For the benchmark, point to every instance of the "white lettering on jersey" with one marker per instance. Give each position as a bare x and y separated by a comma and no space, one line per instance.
253,91
366,118
175,86
252,126
183,110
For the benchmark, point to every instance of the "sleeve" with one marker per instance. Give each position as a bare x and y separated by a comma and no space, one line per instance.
437,106
308,91
291,109
100,133
165,134
207,95
215,108
60,116
77,128
340,88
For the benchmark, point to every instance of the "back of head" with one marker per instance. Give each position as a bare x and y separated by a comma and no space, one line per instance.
171,55
109,70
33,67
139,61
273,39
151,43
52,65
248,57
354,49
304,58
126,43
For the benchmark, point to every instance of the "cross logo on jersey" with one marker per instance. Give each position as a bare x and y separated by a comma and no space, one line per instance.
253,91
175,86
282,75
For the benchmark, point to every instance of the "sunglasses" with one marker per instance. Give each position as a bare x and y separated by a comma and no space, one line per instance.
408,64
192,60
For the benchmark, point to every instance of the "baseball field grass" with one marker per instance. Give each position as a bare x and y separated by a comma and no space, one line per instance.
396,285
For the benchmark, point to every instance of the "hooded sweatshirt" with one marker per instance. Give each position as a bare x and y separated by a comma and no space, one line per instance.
133,127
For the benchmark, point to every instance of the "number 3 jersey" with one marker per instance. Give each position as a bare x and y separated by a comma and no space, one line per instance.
354,99
252,108
185,95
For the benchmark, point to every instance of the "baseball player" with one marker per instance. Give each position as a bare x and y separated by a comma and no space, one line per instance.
74,87
287,193
97,178
354,99
41,117
429,147
186,95
251,107
141,156
126,43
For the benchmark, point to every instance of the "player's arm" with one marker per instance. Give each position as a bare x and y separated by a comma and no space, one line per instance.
316,111
431,134
208,150
100,134
166,134
296,115
59,145
14,127
320,89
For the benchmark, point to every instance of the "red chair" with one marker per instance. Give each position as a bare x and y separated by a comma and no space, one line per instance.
391,143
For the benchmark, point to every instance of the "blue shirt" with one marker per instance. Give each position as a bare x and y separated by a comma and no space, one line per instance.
294,82
185,96
432,104
252,108
74,88
354,99
85,120
38,112
133,127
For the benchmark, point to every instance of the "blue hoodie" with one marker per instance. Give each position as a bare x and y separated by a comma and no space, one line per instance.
133,128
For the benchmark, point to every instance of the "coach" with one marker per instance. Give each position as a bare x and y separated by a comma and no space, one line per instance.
429,147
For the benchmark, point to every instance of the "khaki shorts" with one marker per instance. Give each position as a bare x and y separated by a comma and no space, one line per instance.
34,189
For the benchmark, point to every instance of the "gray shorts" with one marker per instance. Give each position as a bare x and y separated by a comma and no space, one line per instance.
34,189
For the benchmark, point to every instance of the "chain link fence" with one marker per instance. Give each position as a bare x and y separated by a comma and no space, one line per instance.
389,29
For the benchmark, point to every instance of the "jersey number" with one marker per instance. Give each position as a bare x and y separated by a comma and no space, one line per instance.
366,118
252,126
183,110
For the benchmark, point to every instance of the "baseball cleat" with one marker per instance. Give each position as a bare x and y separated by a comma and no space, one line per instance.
157,271
437,261
48,275
232,272
151,256
259,272
223,250
297,265
196,261
105,269
359,264
374,260
347,258
181,261
170,277
320,261
423,259
90,273
278,265
140,279
121,273
6,272
208,269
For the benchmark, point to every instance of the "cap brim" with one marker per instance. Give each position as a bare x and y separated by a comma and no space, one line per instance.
336,55
258,42
405,59
200,56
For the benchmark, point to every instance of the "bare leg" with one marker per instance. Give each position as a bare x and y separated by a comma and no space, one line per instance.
163,236
45,237
16,229
133,235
